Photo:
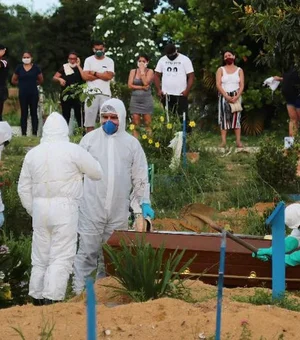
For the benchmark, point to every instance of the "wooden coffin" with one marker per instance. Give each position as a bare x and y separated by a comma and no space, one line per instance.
241,269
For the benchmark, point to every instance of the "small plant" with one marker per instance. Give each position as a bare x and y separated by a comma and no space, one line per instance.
246,333
275,165
144,272
264,297
46,333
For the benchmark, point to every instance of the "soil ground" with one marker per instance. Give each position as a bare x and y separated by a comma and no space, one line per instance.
158,319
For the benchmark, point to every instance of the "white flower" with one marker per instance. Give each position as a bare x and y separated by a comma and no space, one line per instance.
136,22
102,7
133,8
94,29
110,9
131,60
153,20
138,44
157,53
99,16
129,1
108,53
122,40
137,54
106,34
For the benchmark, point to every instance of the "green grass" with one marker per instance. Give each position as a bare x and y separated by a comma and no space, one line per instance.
264,297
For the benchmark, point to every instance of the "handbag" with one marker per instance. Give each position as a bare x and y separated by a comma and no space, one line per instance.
237,106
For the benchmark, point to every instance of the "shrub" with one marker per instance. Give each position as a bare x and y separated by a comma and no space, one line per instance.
15,264
276,166
143,272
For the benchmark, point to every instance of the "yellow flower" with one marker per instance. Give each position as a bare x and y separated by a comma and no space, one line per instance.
248,9
157,144
162,118
150,141
192,124
169,126
131,127
144,137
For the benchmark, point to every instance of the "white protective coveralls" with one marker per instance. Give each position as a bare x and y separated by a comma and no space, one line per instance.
5,136
50,187
105,204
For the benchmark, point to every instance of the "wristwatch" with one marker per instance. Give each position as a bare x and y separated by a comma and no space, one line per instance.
95,74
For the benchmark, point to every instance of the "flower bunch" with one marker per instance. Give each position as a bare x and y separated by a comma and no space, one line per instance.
127,31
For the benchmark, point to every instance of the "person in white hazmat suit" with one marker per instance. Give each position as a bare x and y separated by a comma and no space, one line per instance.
50,187
105,204
5,137
292,242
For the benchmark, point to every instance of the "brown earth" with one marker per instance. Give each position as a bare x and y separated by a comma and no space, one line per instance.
159,319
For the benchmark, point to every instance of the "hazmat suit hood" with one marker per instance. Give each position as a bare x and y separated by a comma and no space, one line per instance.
55,129
5,135
116,106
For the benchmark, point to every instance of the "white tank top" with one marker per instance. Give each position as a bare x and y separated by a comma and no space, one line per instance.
230,81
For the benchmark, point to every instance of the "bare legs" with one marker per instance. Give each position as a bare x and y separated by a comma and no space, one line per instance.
136,120
294,114
237,138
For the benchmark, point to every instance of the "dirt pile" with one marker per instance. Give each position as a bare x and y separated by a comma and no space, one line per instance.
159,319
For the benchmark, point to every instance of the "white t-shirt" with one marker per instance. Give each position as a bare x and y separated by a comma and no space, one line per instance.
174,73
101,66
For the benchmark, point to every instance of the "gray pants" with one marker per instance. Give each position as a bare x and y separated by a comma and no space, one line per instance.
89,256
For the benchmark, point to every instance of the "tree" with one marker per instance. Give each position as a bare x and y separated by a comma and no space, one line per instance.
276,24
127,31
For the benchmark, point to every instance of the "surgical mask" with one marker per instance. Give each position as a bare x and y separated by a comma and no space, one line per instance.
172,56
229,61
99,53
109,127
141,63
26,61
72,65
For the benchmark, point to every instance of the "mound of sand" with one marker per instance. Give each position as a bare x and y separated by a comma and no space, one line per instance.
159,319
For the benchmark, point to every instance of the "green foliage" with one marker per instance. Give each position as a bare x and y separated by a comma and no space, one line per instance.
250,191
255,224
146,273
15,264
275,165
17,219
127,31
264,297
47,329
276,24
173,190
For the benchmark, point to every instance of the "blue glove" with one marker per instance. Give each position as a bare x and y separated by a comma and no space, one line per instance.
293,259
1,219
263,254
147,211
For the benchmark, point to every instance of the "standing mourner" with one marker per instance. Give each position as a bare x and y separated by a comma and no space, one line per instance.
98,72
230,84
291,92
105,204
177,74
70,74
27,76
141,102
3,78
50,186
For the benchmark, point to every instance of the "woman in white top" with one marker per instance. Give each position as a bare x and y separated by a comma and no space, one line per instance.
230,84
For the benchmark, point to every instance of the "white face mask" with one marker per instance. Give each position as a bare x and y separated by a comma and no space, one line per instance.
72,65
141,63
26,61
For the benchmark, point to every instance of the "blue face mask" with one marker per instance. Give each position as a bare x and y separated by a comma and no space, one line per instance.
109,127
